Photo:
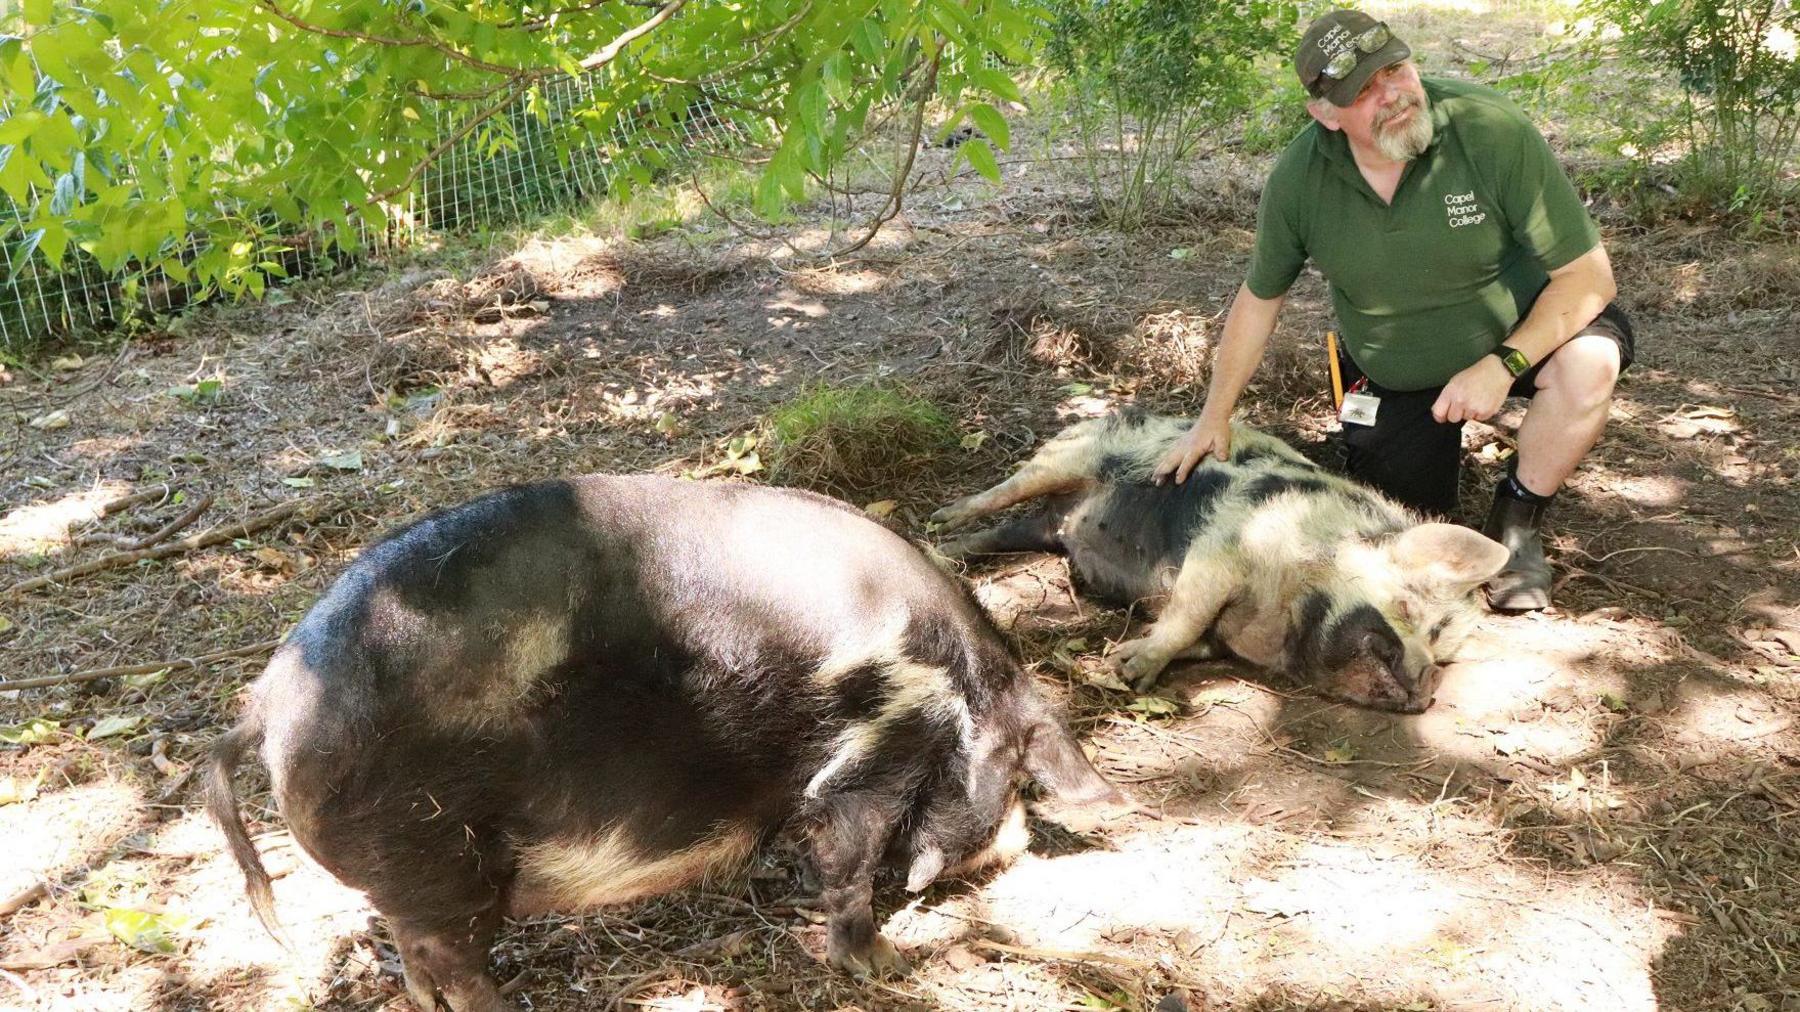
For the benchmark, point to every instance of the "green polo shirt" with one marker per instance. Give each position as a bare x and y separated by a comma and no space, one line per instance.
1425,286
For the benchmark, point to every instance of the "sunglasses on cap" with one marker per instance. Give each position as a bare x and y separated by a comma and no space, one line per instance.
1340,65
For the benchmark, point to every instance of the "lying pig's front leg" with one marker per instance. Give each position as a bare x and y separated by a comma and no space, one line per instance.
1201,590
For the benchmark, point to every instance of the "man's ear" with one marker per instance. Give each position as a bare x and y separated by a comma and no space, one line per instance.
1326,113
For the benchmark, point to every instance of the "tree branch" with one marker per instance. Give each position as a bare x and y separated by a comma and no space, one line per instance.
440,46
545,19
205,539
897,196
167,531
760,47
139,669
512,91
612,49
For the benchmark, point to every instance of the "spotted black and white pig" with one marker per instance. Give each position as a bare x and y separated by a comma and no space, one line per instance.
590,691
1265,554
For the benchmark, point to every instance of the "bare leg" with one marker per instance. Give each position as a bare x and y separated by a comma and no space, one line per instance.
1568,412
847,846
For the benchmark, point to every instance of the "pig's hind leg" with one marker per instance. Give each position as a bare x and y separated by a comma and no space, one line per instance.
446,966
441,885
848,841
1037,531
1068,463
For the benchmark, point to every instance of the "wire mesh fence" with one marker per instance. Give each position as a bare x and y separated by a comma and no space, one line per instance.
534,158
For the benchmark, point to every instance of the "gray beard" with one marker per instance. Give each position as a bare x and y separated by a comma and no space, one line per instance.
1407,142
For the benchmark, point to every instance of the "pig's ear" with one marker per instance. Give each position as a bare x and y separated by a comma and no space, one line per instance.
1448,554
1054,759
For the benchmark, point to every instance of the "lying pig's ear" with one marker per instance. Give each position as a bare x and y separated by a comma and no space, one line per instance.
1054,759
1449,554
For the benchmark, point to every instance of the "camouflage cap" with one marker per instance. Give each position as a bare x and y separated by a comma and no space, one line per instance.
1341,51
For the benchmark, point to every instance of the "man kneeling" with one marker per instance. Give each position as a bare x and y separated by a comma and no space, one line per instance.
1464,270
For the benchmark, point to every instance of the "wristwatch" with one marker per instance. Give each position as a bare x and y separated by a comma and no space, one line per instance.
1514,360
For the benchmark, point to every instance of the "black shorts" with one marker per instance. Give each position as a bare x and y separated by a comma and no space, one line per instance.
1417,459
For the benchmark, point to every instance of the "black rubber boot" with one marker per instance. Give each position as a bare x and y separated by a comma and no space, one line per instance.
1515,521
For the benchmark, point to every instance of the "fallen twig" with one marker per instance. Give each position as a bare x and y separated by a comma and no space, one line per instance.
205,539
168,530
36,891
139,669
156,492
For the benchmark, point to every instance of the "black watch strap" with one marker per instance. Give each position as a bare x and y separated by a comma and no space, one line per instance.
1514,360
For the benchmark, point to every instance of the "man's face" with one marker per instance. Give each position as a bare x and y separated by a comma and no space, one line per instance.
1390,114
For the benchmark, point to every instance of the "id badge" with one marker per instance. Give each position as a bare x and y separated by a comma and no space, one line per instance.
1359,409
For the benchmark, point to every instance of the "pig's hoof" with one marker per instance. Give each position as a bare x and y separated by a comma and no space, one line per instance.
1138,663
956,549
954,515
881,959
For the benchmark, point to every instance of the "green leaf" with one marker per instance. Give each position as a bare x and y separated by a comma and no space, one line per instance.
995,82
147,679
868,40
297,482
1154,706
836,75
55,241
145,931
981,157
349,460
107,727
989,121
18,127
34,731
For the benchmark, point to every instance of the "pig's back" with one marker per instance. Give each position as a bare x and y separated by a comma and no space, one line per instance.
671,654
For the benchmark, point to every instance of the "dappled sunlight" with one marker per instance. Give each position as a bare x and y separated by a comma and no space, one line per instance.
1656,491
317,913
1251,908
502,363
557,263
39,528
253,573
807,242
1390,8
102,448
839,282
789,301
1717,714
62,829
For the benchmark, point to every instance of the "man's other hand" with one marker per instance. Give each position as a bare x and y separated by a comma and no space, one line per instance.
1206,437
1474,394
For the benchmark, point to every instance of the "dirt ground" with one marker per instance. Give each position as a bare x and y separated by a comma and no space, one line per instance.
1599,812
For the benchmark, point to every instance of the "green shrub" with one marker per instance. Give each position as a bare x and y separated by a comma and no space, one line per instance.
1148,82
853,439
1277,115
1740,81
